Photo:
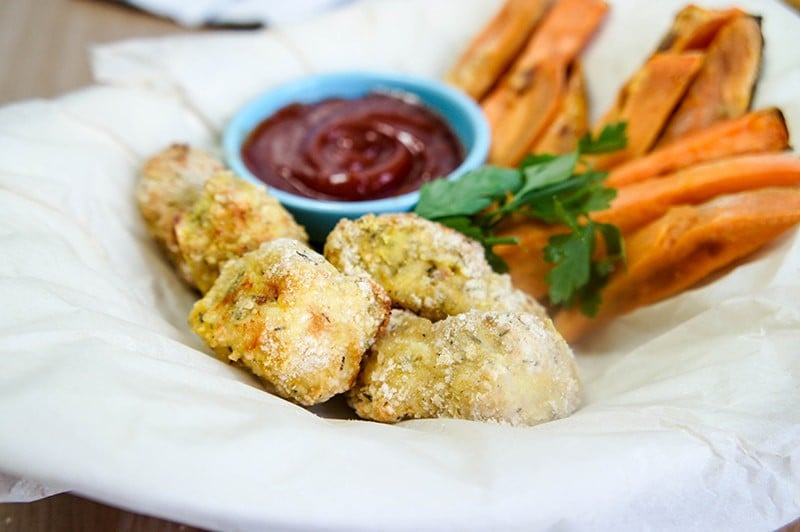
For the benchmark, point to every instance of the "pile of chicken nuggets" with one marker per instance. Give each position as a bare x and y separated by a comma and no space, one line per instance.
402,315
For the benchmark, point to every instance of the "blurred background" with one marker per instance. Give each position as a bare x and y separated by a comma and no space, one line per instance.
44,43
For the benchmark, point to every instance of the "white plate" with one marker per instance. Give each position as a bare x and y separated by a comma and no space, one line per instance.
690,418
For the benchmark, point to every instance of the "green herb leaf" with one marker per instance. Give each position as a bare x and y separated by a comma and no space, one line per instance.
615,245
535,158
547,188
468,195
592,197
467,226
590,298
613,137
571,254
546,172
495,261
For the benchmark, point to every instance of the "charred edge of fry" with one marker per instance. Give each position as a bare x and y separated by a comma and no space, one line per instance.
758,19
760,69
694,27
782,118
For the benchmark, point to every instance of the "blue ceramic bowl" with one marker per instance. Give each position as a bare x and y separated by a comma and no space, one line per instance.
319,216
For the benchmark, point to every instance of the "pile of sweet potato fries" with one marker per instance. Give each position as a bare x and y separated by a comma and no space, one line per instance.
704,179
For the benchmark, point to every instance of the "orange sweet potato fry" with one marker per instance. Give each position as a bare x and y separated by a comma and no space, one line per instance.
641,203
494,48
564,32
755,132
724,87
686,245
526,264
518,115
526,100
695,27
571,121
646,102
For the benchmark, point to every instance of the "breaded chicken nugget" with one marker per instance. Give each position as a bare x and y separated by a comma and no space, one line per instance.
286,314
424,266
229,218
506,367
169,184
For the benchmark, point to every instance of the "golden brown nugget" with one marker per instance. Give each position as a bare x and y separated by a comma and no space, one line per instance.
425,267
229,218
505,367
169,184
286,314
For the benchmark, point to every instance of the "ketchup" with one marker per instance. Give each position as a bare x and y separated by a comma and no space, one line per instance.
338,149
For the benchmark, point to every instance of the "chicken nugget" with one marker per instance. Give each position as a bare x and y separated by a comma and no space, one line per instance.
504,367
229,218
287,315
169,184
425,267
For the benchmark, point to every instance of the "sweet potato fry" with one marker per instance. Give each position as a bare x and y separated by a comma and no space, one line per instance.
526,264
494,48
571,121
641,203
564,32
724,86
755,132
518,115
695,27
526,100
646,102
686,245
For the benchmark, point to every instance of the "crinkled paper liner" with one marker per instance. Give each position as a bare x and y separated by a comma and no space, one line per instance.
690,417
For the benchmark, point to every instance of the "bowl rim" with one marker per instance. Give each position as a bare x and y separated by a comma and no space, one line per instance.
238,129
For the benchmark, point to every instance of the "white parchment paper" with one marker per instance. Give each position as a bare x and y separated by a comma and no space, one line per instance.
691,416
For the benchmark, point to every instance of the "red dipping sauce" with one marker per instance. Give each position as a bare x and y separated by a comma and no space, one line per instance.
349,150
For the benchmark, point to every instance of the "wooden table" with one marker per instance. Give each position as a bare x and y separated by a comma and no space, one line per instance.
67,512
44,43
43,50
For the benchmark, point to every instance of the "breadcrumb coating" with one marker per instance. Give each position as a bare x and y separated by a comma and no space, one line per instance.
424,266
286,314
169,184
498,366
229,218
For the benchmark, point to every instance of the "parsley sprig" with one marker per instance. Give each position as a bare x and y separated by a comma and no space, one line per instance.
552,189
